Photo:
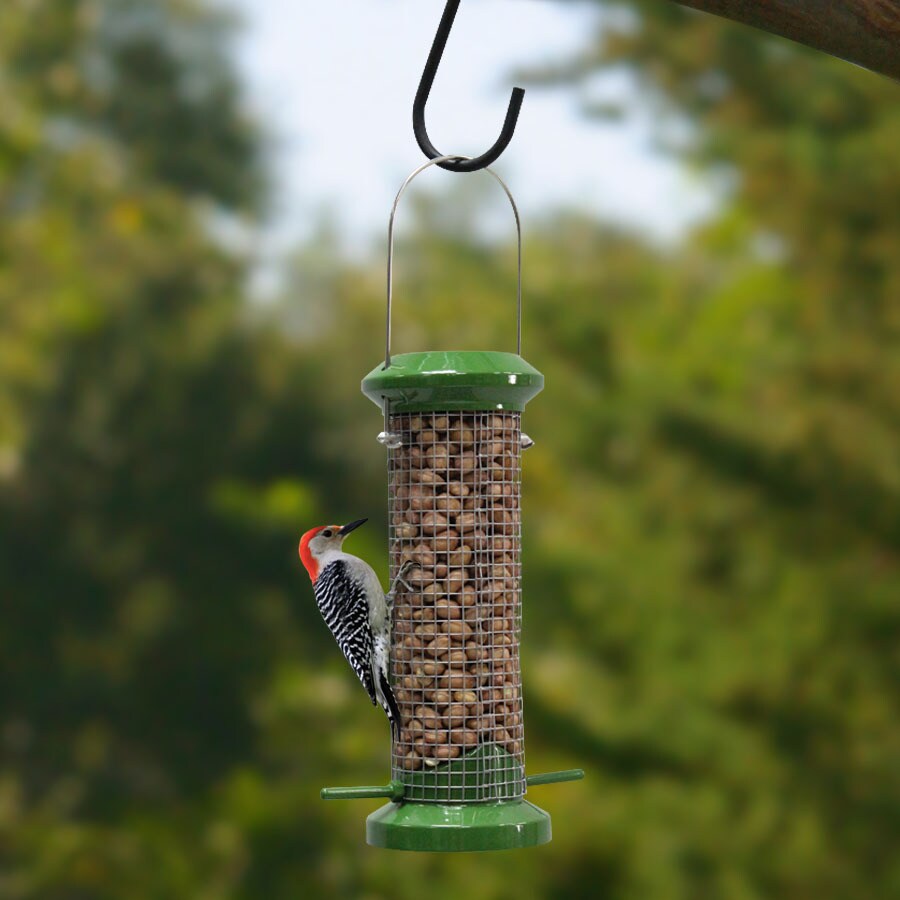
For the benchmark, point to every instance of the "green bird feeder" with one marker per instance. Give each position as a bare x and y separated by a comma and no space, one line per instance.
454,438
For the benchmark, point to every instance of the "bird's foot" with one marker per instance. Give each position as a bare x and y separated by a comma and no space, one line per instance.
409,564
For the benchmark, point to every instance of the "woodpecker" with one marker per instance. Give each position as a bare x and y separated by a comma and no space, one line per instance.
355,609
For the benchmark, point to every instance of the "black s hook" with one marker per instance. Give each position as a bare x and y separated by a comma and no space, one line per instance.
431,67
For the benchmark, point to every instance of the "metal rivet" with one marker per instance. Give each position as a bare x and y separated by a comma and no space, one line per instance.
390,439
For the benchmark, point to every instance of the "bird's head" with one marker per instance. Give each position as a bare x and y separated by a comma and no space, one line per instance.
319,541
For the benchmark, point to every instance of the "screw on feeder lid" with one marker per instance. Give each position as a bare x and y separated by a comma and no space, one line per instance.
451,380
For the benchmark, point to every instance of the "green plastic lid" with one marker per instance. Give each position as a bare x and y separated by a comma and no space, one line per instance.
453,380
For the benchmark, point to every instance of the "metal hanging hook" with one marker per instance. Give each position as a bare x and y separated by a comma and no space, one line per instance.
431,67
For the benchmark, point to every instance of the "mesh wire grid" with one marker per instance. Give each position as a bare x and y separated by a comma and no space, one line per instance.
455,523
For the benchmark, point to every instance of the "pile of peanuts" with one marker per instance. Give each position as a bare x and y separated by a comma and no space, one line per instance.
455,529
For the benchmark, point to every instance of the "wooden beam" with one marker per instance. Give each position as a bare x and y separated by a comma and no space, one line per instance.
865,32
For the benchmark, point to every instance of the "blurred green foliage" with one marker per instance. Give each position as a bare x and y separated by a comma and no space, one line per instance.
712,517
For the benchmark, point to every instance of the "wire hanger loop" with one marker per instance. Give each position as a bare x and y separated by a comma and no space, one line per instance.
390,261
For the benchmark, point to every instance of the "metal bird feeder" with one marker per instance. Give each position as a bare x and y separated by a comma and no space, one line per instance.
454,439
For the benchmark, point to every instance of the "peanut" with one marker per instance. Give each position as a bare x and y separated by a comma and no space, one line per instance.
447,751
412,760
455,715
448,609
464,736
457,629
433,522
445,541
447,504
467,521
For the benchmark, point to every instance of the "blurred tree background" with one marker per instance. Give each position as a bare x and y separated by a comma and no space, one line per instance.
712,508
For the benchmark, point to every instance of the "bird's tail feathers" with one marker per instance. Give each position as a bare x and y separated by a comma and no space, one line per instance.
390,705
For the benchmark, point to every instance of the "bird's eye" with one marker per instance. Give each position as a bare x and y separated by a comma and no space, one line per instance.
326,532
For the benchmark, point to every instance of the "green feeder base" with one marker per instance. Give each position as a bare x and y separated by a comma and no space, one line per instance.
446,827
440,828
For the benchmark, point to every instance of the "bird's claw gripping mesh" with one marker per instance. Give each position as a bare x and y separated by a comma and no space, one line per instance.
454,500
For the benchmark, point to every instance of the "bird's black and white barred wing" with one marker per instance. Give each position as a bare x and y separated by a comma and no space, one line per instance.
342,602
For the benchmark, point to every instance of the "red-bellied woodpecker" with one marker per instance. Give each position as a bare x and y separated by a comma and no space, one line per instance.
355,609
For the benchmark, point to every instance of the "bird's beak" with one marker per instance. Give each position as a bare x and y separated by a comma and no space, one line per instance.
343,532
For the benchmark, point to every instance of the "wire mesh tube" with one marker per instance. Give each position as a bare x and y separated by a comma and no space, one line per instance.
455,522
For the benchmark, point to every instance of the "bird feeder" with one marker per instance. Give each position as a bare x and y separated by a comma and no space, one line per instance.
454,438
